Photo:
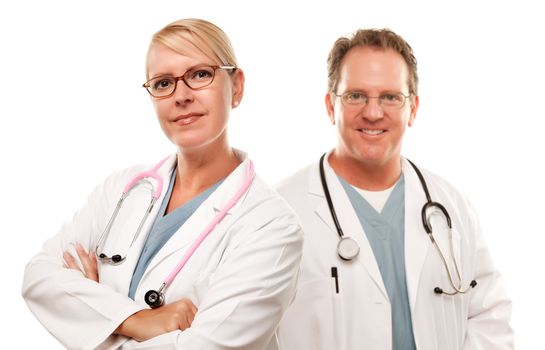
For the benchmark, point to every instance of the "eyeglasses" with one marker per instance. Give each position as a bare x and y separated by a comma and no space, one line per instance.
195,78
386,100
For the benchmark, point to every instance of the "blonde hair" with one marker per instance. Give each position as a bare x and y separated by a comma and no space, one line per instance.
200,34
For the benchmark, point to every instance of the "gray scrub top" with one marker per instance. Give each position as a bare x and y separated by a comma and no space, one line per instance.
164,227
385,232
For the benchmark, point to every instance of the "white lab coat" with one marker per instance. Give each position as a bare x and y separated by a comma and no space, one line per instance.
241,278
359,316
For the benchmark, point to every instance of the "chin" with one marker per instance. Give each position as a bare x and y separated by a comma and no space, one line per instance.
371,154
187,143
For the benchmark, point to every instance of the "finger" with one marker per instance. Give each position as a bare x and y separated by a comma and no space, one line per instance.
184,322
70,262
83,257
192,311
190,318
93,257
89,267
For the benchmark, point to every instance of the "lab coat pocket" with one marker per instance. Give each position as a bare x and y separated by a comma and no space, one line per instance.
311,313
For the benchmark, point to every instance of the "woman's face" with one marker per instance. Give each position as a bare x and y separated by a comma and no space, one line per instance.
193,119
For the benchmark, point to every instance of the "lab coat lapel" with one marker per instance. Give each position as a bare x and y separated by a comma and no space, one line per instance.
417,242
121,275
347,217
186,235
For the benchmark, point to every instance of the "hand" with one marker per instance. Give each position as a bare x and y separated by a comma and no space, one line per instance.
87,260
149,323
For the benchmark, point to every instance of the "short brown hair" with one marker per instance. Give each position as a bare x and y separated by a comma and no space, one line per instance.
375,38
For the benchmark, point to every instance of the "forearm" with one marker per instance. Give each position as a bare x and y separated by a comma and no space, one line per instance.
150,323
245,300
79,312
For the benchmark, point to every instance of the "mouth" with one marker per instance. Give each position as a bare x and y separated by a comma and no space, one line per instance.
186,119
372,132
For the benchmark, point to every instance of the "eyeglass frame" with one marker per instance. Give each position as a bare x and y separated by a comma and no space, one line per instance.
147,84
341,96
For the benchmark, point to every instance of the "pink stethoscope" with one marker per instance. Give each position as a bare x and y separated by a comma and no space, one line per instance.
156,298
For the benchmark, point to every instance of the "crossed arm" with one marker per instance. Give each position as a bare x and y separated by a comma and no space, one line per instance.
144,324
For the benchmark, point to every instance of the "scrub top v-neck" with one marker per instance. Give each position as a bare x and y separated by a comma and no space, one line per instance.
164,227
385,232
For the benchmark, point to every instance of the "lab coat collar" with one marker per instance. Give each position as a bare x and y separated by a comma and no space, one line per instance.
186,235
219,197
416,240
124,271
347,217
231,184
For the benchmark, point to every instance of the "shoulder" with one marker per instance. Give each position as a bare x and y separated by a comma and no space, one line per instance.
268,203
114,184
296,184
264,218
119,178
442,191
440,187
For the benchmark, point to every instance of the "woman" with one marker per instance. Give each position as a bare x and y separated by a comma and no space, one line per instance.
233,291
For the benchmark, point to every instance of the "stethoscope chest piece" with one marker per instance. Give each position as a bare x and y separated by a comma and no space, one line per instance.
154,298
347,248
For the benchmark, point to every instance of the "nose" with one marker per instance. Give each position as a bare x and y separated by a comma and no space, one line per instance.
183,94
372,111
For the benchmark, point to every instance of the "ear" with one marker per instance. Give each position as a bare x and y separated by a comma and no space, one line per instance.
414,108
330,106
238,87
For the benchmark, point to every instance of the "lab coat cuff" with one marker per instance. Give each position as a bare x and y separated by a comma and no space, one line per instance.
114,341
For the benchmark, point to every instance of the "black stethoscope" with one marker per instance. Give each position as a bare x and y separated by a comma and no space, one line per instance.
348,248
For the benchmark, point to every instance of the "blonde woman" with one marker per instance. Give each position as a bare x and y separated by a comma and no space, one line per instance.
195,252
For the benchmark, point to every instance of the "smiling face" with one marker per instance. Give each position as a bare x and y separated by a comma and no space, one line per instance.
369,134
193,119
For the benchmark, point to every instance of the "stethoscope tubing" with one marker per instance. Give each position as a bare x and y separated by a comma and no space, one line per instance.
152,173
158,296
206,231
425,222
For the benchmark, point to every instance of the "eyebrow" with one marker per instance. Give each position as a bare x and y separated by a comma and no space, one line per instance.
388,91
187,70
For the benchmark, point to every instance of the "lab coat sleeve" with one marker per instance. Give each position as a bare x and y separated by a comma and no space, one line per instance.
249,291
488,325
79,312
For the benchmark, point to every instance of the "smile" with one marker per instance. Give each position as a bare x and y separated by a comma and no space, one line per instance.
372,131
187,119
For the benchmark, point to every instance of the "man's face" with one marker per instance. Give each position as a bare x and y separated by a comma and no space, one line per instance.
371,133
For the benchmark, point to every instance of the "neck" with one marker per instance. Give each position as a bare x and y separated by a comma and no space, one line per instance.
367,176
199,169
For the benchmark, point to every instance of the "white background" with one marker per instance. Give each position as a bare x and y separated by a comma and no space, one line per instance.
72,111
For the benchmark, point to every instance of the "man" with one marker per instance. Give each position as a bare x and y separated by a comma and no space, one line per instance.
372,276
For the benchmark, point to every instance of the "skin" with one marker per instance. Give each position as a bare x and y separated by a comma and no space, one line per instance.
370,161
196,122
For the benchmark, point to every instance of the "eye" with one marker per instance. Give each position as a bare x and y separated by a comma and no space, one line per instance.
354,97
392,98
163,83
201,74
